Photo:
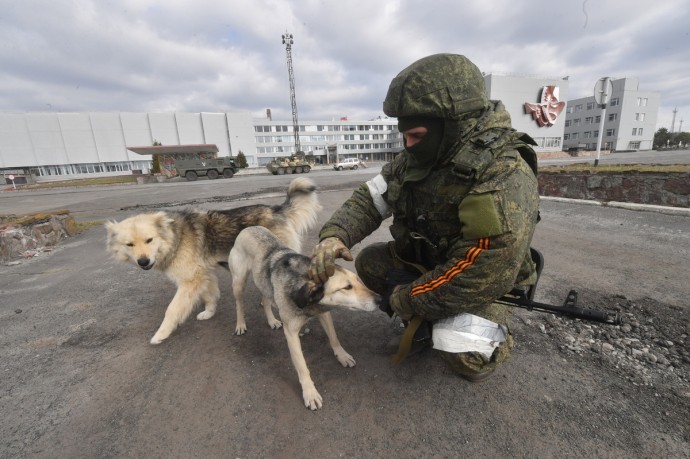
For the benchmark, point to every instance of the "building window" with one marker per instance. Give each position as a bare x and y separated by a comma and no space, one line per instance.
639,131
566,136
634,145
574,136
578,108
639,116
613,116
590,105
634,131
610,132
615,101
587,135
641,101
576,122
589,120
570,109
597,119
567,123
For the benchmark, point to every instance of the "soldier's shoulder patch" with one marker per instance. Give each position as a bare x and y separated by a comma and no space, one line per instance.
481,215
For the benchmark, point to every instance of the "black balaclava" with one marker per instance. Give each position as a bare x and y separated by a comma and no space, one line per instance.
422,156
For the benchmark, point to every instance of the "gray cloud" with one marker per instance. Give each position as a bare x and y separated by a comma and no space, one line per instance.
152,55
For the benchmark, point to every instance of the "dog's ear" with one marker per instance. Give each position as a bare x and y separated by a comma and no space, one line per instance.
162,220
309,293
110,228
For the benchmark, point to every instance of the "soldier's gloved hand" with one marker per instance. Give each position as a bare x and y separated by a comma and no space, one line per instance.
398,304
323,259
395,278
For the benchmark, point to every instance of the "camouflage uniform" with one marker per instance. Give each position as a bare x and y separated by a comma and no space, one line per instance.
466,220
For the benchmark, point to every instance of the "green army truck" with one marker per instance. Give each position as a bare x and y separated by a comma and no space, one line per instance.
295,164
212,168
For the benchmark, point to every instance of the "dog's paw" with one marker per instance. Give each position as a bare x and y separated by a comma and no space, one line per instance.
312,399
205,315
275,324
344,358
241,328
157,339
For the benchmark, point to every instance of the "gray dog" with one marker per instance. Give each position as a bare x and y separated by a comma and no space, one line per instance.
280,274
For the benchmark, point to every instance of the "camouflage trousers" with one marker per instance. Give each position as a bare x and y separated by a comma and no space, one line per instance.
373,264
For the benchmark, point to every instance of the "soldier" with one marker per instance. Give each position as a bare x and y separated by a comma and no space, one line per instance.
463,196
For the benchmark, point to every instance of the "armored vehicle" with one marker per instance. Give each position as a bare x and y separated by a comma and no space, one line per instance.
212,168
295,164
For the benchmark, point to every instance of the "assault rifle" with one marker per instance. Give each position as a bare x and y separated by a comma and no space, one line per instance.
521,299
525,299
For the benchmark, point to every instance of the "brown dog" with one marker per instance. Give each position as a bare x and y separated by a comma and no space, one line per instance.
189,245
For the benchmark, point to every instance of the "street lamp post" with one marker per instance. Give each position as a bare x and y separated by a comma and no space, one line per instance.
602,89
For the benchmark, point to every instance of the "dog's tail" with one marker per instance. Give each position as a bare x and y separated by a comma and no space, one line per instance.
301,207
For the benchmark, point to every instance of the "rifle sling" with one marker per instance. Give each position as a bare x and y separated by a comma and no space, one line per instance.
406,339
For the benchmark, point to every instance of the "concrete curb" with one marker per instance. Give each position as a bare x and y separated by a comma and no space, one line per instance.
624,205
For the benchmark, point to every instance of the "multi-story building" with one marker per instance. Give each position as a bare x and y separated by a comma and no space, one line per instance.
629,119
328,141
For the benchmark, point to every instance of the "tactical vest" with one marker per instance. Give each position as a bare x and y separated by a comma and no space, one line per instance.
426,213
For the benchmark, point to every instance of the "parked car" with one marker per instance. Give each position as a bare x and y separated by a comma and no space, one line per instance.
348,163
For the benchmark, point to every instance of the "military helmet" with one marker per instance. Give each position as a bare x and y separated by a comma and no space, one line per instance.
438,86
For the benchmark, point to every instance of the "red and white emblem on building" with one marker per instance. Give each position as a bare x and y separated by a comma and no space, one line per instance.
546,112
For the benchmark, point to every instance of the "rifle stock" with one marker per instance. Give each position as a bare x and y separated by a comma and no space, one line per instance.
520,299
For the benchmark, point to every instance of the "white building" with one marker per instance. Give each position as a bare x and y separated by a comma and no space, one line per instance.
522,95
629,121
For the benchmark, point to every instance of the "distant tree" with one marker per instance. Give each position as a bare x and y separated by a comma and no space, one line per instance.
241,160
665,139
156,166
662,138
683,138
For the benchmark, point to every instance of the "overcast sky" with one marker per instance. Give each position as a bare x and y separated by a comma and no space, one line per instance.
214,56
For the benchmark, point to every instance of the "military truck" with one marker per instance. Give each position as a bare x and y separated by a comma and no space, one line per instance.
295,164
212,168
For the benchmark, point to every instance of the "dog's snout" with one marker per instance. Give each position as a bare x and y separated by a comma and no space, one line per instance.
144,262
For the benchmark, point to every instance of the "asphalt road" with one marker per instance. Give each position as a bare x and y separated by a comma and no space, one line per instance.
107,201
79,378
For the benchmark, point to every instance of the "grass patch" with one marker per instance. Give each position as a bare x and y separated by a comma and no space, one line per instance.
616,168
80,227
84,182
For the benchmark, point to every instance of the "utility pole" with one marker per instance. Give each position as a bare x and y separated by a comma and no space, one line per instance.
673,123
288,41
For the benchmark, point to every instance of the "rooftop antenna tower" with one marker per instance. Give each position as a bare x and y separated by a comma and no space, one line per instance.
288,41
